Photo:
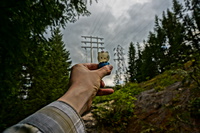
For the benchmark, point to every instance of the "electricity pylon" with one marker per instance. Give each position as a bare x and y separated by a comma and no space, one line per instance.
92,41
119,54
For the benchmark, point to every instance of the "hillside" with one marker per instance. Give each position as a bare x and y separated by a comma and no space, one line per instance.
165,111
170,102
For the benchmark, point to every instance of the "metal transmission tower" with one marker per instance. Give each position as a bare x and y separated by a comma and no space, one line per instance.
92,41
119,53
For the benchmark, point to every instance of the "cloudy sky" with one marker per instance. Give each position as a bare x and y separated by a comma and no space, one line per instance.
119,22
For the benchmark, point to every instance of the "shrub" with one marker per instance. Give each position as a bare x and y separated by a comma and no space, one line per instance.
115,110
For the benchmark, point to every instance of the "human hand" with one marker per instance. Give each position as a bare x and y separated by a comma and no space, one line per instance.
85,83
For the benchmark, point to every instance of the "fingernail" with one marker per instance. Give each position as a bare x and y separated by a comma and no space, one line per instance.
111,67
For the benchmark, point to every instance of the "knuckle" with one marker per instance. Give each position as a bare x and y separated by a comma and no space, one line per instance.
75,66
107,69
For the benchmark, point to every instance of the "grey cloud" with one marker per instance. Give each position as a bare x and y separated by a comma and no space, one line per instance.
85,26
133,25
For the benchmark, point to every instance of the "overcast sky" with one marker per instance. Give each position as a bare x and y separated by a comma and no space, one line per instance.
119,22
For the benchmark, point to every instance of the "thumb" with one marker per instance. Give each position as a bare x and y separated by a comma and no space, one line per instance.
106,70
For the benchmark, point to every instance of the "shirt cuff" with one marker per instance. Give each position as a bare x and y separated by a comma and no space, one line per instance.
57,117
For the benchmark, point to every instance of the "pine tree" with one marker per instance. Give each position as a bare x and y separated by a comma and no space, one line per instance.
149,66
59,64
175,33
132,63
50,73
139,64
192,24
175,40
161,46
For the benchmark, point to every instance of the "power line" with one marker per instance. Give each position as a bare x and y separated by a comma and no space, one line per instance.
142,29
118,22
103,18
92,40
98,20
137,28
123,25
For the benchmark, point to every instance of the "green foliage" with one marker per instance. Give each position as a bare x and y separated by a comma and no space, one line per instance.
192,23
43,78
50,73
115,110
148,128
159,88
149,65
190,72
132,63
180,112
173,50
184,108
195,107
160,82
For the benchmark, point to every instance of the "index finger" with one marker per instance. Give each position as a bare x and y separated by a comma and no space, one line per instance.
106,70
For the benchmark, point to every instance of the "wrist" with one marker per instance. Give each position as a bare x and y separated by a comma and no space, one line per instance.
79,98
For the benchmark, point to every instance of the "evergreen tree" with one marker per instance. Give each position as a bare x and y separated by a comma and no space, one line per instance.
58,64
192,24
166,45
175,32
174,40
149,66
50,73
132,63
158,40
139,64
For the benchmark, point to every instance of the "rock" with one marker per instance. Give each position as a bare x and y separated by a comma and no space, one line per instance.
160,111
90,123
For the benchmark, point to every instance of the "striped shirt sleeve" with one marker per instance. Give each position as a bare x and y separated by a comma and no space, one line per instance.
57,117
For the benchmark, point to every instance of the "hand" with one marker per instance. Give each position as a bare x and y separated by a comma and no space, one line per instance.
85,83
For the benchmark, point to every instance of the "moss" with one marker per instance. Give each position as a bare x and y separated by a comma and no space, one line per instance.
163,80
159,88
